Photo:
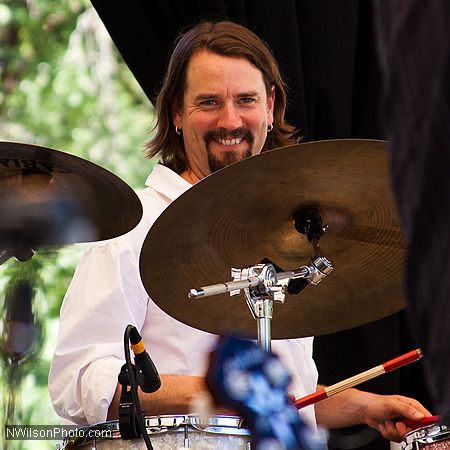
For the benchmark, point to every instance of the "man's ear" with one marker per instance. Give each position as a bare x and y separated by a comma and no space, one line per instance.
271,105
176,115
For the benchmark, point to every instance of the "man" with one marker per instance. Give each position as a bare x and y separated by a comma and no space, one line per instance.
222,100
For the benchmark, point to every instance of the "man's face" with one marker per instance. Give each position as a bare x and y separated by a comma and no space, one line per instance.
225,112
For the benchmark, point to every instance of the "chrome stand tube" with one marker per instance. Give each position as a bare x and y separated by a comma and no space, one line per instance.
264,333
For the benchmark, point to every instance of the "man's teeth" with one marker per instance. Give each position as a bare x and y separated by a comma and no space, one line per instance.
229,141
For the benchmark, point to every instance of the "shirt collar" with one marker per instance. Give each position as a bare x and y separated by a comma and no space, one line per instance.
165,181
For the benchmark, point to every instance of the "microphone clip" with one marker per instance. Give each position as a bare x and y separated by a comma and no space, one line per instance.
128,421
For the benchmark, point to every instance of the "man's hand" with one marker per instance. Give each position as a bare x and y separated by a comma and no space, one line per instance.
385,414
381,412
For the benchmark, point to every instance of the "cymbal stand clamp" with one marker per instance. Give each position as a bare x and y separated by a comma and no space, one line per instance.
260,298
262,285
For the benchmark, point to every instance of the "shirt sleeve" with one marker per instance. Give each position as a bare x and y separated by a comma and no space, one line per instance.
105,295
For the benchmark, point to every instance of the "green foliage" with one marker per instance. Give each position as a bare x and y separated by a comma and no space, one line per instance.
64,86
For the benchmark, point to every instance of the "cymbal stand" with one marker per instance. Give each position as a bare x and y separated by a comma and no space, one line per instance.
262,285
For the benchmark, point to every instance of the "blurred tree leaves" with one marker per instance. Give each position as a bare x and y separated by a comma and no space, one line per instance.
63,85
66,87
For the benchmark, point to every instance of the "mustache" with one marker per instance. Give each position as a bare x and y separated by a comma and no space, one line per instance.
222,133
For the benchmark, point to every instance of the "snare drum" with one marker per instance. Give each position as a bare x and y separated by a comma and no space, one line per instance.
433,437
166,433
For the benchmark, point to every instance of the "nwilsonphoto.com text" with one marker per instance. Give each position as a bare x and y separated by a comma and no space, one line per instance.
52,433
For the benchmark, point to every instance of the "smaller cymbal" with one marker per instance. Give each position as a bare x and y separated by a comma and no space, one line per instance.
52,198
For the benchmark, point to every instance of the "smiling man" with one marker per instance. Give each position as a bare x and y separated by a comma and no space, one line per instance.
225,113
222,100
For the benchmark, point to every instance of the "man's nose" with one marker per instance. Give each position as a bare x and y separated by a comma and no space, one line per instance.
229,117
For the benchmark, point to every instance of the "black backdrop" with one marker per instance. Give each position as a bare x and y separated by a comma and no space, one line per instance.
326,54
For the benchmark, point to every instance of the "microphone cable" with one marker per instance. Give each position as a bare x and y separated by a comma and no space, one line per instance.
134,387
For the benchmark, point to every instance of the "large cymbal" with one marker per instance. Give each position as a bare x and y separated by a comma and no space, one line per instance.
245,212
43,190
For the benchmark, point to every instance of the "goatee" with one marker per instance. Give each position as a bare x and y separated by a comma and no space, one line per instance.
228,157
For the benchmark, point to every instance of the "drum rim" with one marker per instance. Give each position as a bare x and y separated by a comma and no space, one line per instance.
428,435
217,424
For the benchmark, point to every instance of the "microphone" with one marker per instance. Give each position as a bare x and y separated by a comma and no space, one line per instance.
19,332
144,363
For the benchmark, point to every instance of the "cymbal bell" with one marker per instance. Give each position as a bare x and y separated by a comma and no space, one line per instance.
246,212
51,198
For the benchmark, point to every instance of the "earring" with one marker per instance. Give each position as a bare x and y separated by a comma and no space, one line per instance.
177,130
270,128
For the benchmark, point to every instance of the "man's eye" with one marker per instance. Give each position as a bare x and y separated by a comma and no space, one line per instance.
246,100
210,102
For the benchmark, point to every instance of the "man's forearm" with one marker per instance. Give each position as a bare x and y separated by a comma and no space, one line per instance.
174,396
381,412
338,411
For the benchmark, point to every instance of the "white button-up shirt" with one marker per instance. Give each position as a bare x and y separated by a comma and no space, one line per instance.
106,294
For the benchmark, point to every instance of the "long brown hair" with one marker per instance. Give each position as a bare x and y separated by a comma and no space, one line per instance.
226,39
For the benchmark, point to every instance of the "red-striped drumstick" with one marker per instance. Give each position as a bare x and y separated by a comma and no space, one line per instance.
429,420
334,389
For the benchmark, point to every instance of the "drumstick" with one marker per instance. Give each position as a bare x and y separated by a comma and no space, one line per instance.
334,389
429,420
